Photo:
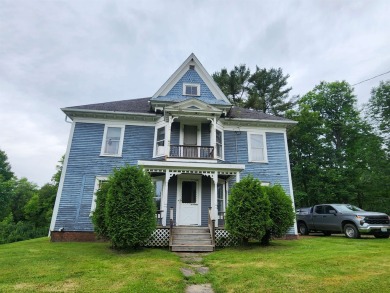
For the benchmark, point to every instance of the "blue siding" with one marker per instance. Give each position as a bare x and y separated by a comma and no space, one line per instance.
275,171
191,76
206,200
205,133
175,133
172,193
85,163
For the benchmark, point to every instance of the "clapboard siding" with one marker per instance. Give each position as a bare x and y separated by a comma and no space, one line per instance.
172,192
275,171
206,200
205,134
85,163
175,133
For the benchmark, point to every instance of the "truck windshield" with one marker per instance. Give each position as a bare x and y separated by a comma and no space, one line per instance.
346,208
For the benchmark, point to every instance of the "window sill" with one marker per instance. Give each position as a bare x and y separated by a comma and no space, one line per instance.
262,162
110,155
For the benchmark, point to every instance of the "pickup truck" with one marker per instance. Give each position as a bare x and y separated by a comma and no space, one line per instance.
342,218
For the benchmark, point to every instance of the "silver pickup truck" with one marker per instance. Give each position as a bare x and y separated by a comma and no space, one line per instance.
342,218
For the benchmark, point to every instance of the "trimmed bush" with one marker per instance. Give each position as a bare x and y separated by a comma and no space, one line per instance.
98,217
282,213
129,208
248,212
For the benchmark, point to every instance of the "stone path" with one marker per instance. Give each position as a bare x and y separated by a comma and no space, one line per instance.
194,262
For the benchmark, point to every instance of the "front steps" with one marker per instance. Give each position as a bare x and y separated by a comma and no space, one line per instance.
191,239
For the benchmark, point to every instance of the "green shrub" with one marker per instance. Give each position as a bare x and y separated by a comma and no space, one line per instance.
282,213
98,217
130,208
248,212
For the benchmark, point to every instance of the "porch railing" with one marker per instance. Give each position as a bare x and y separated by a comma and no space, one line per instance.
211,224
187,151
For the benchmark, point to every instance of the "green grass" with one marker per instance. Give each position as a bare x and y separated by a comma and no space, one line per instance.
39,265
315,264
311,264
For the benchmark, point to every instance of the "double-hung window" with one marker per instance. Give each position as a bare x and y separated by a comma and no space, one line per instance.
191,89
160,141
218,143
112,141
257,150
99,181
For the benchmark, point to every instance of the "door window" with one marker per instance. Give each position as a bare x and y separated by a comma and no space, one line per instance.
188,192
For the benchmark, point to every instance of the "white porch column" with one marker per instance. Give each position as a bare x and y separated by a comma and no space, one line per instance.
165,199
214,202
238,177
213,134
168,136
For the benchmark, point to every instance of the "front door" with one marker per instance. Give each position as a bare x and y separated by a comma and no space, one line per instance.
188,202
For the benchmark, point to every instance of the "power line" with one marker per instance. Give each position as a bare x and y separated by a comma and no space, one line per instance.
371,78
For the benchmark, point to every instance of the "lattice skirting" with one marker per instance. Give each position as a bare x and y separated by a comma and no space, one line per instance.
223,238
159,238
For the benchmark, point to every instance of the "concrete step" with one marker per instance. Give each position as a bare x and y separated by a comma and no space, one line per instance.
192,248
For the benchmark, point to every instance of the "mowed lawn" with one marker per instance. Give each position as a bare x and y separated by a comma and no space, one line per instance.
311,264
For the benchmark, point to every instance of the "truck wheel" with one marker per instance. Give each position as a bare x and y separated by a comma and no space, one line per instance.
351,231
381,235
302,228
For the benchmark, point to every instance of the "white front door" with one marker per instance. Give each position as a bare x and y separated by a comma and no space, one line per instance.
188,202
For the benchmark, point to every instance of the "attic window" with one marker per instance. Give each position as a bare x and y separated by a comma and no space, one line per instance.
192,67
191,89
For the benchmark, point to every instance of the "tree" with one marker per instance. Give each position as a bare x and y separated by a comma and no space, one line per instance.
379,108
248,212
267,91
99,215
335,155
57,176
22,193
5,167
130,208
233,84
282,213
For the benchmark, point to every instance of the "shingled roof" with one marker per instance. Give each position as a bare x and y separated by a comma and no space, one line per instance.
142,106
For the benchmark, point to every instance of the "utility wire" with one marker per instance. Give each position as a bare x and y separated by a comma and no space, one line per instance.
371,78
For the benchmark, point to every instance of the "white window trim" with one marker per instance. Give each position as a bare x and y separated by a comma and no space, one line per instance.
162,179
119,154
95,189
250,147
222,157
197,85
157,127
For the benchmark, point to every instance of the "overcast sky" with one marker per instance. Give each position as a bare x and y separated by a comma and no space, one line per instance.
55,54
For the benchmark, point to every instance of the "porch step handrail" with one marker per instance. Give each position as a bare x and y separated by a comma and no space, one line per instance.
211,224
191,151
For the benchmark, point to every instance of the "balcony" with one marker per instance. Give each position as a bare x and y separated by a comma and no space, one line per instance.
191,152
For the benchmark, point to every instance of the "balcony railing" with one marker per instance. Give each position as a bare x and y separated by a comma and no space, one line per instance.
186,151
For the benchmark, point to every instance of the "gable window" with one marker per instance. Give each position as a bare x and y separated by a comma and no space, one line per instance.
191,89
218,143
112,141
160,141
99,181
257,151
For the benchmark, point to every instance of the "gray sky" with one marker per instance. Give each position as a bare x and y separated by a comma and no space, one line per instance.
55,54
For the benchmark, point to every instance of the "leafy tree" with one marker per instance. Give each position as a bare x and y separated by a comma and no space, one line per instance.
267,91
248,212
282,213
379,108
130,208
5,167
22,193
57,176
233,84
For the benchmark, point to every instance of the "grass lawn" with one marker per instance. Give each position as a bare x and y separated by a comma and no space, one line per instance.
311,264
39,265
